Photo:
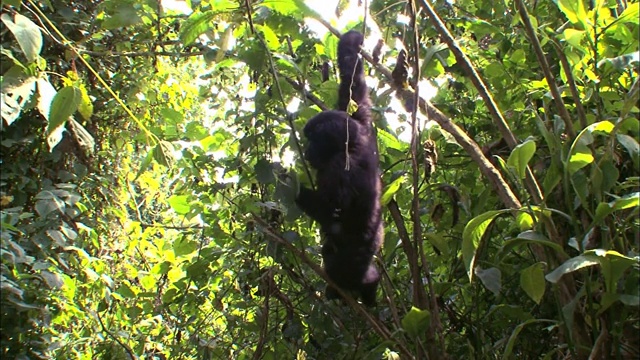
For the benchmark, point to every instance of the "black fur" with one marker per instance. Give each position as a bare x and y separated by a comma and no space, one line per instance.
346,203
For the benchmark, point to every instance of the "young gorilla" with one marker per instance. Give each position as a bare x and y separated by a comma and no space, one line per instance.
346,203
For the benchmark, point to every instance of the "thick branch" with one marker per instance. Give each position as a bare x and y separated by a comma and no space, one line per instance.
477,81
494,176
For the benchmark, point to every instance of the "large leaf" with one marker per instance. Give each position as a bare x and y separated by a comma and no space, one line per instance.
580,154
472,235
200,22
531,237
64,104
391,190
491,279
520,157
163,153
605,209
27,33
17,90
571,265
180,204
532,281
416,322
574,10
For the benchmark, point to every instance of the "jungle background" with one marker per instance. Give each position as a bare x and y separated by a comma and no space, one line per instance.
151,152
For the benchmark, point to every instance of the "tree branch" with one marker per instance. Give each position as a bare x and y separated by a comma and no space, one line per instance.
496,114
492,174
531,33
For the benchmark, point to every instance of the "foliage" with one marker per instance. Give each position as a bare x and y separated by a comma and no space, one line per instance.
150,158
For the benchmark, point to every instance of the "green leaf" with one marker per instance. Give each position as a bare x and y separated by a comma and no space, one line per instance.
614,265
270,37
64,104
388,140
264,172
580,154
125,15
524,220
532,281
180,204
631,144
569,266
296,8
27,33
125,291
416,322
47,202
508,349
352,107
472,235
630,14
531,237
574,37
163,153
391,190
183,246
574,10
200,22
580,157
14,3
520,157
491,279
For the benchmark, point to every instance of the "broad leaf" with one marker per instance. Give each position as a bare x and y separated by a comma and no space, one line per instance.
491,279
532,281
472,235
64,104
416,321
391,190
27,33
180,204
574,10
520,157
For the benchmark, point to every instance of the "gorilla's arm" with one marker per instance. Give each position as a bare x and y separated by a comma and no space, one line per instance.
352,79
316,206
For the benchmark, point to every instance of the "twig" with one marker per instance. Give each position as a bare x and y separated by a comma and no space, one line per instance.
141,53
376,325
562,110
572,83
126,347
314,99
274,73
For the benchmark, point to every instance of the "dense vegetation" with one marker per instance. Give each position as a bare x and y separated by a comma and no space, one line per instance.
150,158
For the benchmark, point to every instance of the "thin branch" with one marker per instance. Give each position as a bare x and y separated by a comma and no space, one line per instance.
142,53
314,99
414,268
572,84
376,325
274,73
126,347
484,92
542,60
